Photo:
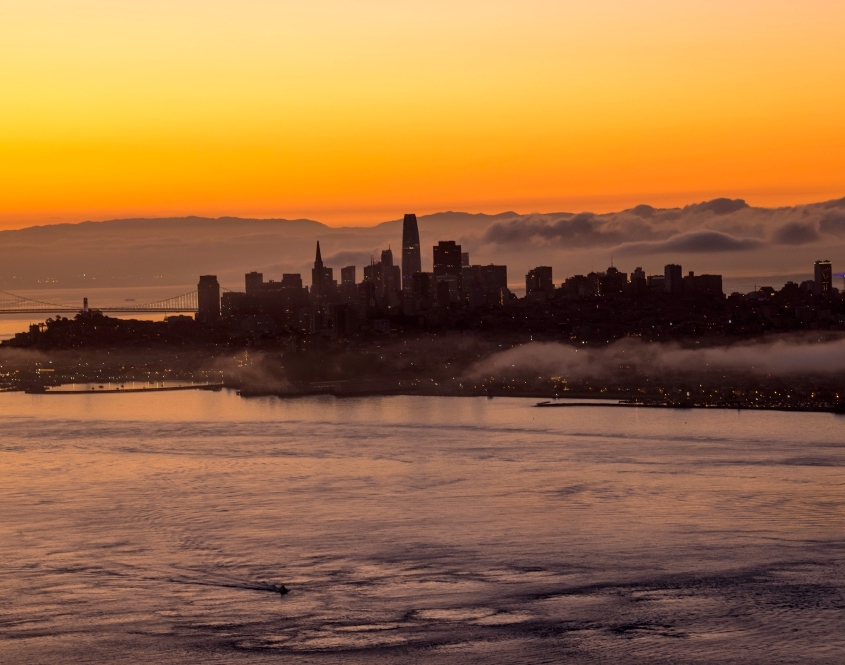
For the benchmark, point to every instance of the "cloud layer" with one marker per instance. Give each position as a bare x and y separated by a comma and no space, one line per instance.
721,225
722,236
783,357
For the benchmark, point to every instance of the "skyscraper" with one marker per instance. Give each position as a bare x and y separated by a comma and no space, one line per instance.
392,277
347,275
448,270
447,258
539,282
674,279
254,281
823,285
349,284
208,298
411,261
322,278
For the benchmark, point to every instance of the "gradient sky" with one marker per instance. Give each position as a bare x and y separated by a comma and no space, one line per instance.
355,112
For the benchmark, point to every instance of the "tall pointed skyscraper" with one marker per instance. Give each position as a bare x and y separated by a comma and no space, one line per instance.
411,261
318,276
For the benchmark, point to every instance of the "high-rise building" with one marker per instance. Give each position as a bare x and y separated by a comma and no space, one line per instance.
539,282
291,280
387,257
823,283
447,258
317,274
411,260
674,279
710,284
447,266
254,281
612,281
322,278
347,275
208,298
392,276
348,284
638,280
485,284
386,279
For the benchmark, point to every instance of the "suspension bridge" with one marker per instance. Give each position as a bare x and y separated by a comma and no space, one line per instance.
14,304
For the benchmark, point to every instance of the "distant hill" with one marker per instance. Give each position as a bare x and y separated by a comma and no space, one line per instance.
723,235
176,250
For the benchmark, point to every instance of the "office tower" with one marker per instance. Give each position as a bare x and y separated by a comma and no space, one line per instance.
347,275
447,268
387,257
464,258
411,261
690,284
674,281
538,281
348,284
492,277
392,278
638,280
254,281
422,287
710,284
208,299
488,284
291,280
823,283
386,279
612,281
373,274
317,274
447,258
321,277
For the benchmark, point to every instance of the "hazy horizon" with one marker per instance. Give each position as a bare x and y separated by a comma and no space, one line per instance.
723,236
352,112
374,216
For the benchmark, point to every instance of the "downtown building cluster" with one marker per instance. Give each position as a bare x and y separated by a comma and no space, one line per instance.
459,294
387,290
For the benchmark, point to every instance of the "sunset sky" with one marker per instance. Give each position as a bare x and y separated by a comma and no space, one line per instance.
356,112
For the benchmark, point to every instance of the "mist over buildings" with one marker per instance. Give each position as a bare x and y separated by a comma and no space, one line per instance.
721,236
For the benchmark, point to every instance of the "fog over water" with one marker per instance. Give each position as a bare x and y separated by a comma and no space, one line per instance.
152,528
783,356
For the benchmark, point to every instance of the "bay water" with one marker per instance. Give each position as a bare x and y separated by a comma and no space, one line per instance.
156,528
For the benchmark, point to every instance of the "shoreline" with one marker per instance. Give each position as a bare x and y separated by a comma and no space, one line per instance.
615,400
724,407
114,391
608,400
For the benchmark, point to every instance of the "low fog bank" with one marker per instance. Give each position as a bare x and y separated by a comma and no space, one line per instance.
722,236
786,356
447,364
466,364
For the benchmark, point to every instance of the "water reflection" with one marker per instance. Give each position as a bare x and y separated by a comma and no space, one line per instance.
156,526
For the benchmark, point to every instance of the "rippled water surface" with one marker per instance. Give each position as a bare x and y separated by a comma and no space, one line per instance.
152,528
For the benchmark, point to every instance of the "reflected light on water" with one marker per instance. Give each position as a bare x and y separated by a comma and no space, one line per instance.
154,527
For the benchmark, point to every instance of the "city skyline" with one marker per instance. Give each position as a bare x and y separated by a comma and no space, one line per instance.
422,331
749,246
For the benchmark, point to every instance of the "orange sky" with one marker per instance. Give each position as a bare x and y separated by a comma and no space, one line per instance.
356,112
